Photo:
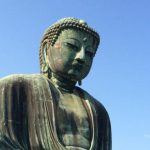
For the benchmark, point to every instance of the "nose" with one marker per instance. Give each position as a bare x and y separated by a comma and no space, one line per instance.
80,56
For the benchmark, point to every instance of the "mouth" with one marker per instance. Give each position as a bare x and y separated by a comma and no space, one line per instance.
77,65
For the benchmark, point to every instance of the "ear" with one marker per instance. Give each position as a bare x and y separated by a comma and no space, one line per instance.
46,47
45,52
44,67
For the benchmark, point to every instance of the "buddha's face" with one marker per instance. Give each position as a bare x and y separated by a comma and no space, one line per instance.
72,54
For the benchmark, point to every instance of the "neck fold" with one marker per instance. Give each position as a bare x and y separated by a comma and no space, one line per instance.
63,83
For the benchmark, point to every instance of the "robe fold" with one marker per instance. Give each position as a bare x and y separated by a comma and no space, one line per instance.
27,115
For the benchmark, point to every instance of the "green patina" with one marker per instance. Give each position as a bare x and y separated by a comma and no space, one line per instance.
48,111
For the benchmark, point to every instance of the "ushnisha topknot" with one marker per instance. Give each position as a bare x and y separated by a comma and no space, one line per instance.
53,31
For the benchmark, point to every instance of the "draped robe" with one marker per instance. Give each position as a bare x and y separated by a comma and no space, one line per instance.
27,115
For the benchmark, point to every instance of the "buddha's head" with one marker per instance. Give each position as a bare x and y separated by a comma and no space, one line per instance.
67,49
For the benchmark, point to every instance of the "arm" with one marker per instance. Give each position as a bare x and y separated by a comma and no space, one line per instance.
104,127
102,123
11,113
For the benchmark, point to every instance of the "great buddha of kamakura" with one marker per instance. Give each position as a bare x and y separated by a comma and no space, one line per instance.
48,111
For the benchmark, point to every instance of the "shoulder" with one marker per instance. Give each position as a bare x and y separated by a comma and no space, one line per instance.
32,82
21,78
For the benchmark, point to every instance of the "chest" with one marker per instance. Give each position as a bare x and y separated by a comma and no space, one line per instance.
73,126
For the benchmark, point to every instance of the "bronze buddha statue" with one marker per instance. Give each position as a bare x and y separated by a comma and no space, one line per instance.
48,111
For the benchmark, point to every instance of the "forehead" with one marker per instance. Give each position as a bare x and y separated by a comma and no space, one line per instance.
76,34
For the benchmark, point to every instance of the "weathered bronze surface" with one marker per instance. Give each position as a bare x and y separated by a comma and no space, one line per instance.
48,111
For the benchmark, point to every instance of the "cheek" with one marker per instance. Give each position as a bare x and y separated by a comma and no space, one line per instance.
58,64
88,63
86,69
67,57
60,58
54,58
61,55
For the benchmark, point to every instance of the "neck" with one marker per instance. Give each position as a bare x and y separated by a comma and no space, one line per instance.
63,83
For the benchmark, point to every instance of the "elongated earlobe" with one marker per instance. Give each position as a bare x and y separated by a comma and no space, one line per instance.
45,67
80,83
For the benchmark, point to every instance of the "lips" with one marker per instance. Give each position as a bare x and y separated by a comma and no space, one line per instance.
77,65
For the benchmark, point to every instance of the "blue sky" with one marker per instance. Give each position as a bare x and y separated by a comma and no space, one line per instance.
120,75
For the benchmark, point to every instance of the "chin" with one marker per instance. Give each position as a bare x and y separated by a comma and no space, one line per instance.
76,77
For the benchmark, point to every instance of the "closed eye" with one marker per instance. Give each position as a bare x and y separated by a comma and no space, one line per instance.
71,46
90,54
